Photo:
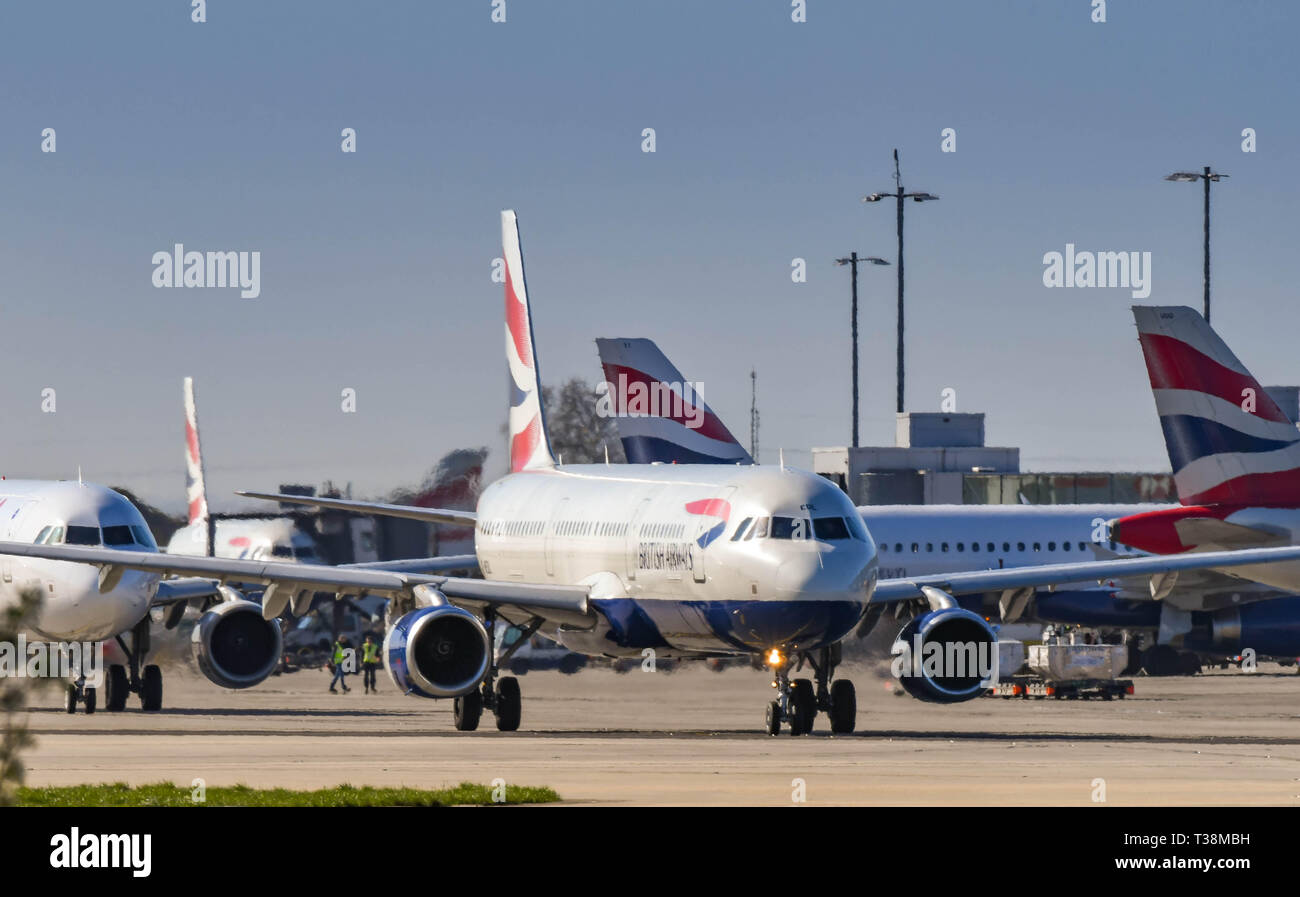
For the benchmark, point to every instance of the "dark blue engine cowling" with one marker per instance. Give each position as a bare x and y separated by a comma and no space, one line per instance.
1269,628
1095,607
437,652
966,650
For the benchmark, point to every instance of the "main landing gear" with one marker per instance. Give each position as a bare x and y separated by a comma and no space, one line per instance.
121,683
798,700
501,696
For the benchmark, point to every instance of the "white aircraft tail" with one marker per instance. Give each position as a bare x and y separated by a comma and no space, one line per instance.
196,495
529,447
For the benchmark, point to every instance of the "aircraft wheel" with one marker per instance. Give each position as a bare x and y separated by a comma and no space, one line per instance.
773,720
466,711
1160,660
151,688
803,706
116,689
844,707
88,697
509,704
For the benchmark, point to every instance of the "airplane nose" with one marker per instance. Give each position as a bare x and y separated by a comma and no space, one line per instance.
78,610
842,572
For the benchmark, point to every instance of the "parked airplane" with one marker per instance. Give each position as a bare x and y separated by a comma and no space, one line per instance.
1236,461
255,538
926,540
681,559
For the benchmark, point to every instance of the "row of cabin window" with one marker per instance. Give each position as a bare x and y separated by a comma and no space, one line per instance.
562,528
992,546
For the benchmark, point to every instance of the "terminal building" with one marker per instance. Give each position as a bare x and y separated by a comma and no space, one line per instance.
941,458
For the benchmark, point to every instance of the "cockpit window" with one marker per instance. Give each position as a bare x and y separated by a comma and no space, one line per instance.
740,530
857,528
43,535
795,528
830,529
304,552
143,536
759,529
281,551
83,535
118,535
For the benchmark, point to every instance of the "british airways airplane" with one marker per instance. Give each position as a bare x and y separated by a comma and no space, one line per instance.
262,537
82,604
662,417
686,560
1236,461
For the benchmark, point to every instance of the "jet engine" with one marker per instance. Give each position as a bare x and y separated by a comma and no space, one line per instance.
946,655
234,646
437,652
1269,628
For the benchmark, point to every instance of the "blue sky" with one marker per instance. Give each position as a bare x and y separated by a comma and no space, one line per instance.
376,265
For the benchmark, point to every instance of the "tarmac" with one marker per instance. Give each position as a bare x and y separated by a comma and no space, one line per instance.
694,737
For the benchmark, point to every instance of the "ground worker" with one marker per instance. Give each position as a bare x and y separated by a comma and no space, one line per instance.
369,663
342,658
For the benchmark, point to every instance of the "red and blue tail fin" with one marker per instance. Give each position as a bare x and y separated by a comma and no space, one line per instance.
529,447
661,416
1228,441
196,495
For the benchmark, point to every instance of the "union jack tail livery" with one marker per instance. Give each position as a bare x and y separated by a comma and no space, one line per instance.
1228,441
196,495
660,416
529,447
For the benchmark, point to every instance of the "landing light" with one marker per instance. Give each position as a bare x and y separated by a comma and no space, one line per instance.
774,658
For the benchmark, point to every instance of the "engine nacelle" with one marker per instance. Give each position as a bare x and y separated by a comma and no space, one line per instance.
1269,628
235,646
946,656
437,652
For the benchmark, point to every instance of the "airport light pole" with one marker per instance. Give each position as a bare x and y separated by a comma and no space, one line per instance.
1190,177
852,262
899,194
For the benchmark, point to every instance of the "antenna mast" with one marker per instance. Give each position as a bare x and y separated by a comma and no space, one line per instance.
753,414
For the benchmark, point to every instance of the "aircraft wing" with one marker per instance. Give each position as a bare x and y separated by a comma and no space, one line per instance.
410,512
561,604
420,565
1158,567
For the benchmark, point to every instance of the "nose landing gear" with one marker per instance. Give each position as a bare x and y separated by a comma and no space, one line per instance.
80,693
798,701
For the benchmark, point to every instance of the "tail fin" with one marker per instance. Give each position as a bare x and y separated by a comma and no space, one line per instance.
1228,441
196,494
529,447
661,416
